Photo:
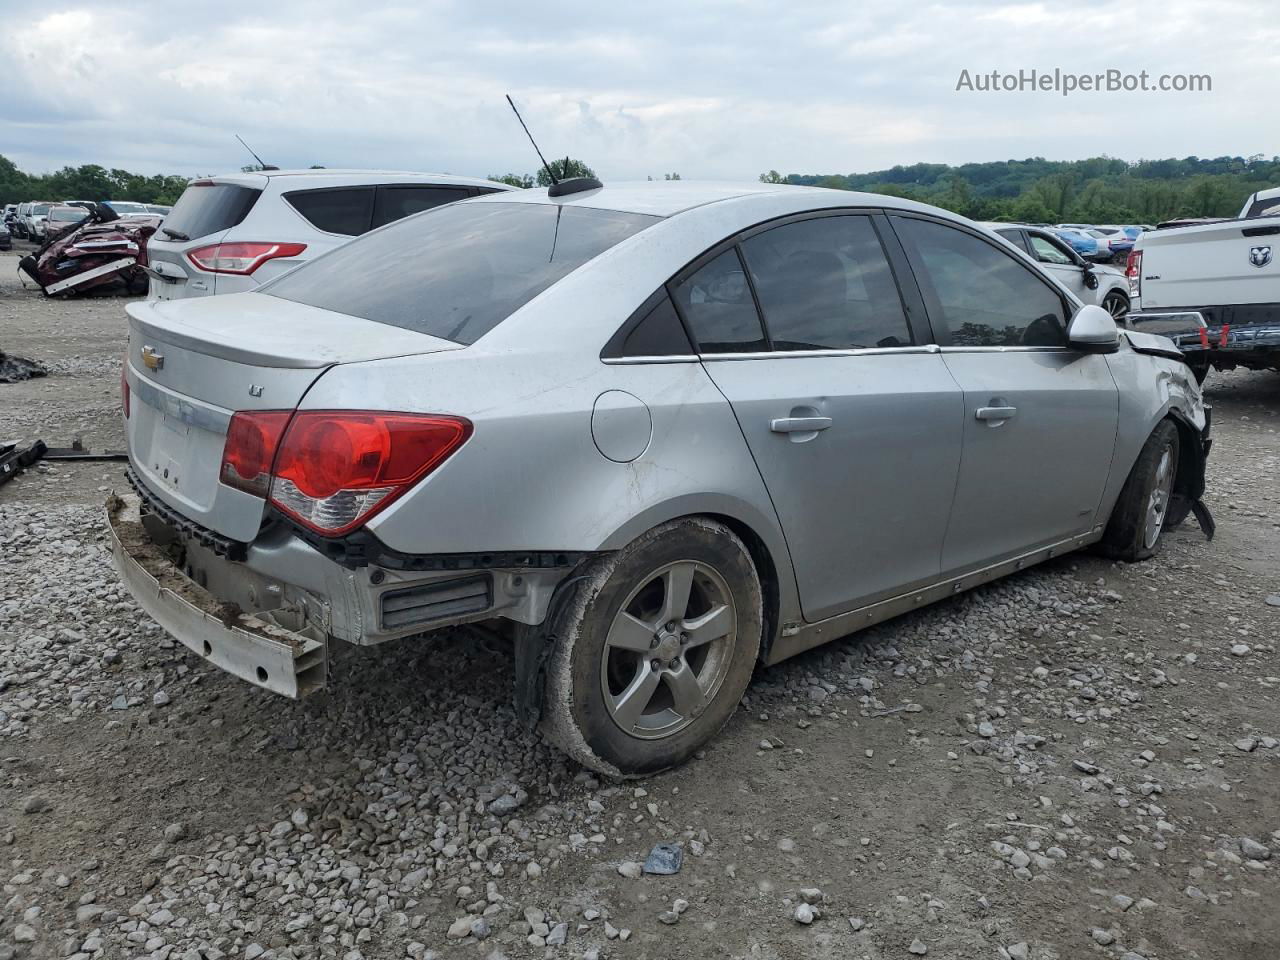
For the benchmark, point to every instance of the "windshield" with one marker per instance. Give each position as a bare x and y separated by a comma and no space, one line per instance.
124,206
68,213
457,271
40,210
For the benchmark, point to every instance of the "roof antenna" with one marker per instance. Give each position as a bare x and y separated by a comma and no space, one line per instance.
558,188
546,166
264,166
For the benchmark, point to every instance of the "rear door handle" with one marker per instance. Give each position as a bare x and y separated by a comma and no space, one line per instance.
799,424
995,413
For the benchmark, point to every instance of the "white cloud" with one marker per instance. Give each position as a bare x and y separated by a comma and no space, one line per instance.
710,89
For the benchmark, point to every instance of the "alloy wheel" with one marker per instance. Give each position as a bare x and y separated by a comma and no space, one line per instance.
668,649
1158,502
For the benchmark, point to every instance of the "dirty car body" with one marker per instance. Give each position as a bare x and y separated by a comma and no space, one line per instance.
648,431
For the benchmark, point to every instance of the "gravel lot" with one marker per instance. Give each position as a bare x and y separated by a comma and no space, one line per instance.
1081,761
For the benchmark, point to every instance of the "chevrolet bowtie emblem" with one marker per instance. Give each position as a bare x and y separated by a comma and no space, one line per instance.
152,360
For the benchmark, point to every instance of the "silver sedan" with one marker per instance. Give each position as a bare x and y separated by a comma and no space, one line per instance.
654,435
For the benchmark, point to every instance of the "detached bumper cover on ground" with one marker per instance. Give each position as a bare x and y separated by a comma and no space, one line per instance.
292,662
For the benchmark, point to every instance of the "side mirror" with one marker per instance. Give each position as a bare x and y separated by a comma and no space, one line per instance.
1090,278
1093,330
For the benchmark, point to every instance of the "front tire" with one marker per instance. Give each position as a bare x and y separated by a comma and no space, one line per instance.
1141,513
654,648
1116,304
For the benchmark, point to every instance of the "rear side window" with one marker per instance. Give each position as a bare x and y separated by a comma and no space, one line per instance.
344,210
397,202
1265,208
717,304
459,270
826,284
979,295
210,208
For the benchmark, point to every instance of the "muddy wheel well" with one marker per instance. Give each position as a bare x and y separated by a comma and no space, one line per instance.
766,570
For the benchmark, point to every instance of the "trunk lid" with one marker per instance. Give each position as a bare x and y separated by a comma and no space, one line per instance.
191,365
1211,265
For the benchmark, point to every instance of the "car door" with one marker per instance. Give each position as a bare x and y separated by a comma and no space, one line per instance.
849,411
1058,260
1040,418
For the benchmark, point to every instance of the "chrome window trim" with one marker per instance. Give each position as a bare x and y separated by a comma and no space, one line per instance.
785,354
666,358
1000,349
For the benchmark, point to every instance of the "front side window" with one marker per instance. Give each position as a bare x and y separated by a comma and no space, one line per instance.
826,284
458,271
717,305
1047,251
1265,208
979,295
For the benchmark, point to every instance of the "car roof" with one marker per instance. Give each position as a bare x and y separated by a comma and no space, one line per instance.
665,198
345,177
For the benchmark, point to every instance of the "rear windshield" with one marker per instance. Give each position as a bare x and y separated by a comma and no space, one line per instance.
458,271
209,208
70,213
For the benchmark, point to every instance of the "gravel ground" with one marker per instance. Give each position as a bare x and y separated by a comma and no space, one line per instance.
1080,761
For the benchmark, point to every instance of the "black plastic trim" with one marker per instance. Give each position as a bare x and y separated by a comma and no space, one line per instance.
220,545
361,548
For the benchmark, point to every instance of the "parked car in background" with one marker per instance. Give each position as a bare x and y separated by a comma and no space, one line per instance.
129,208
18,226
6,238
10,214
1214,288
231,233
62,216
1264,203
1113,243
1090,282
1079,241
33,222
656,434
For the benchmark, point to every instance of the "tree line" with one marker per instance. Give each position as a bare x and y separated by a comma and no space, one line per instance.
1097,190
87,182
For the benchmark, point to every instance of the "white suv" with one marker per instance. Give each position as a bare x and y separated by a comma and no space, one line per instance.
232,233
1091,282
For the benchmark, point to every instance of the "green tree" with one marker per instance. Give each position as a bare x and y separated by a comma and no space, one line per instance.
773,176
521,180
566,169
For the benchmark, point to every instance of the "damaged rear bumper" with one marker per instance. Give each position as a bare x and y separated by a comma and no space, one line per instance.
274,649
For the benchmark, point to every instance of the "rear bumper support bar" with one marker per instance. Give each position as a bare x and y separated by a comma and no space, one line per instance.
274,649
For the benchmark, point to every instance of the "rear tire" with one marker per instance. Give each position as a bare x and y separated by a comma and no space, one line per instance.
1141,513
653,648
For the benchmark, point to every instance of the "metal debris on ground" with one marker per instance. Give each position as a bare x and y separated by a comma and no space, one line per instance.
13,461
13,369
665,859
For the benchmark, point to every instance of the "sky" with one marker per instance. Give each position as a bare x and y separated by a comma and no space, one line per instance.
711,90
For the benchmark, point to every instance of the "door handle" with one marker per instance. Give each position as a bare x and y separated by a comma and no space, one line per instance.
995,413
799,424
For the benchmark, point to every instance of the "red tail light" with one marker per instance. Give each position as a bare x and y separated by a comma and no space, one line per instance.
334,469
250,447
1133,270
241,258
